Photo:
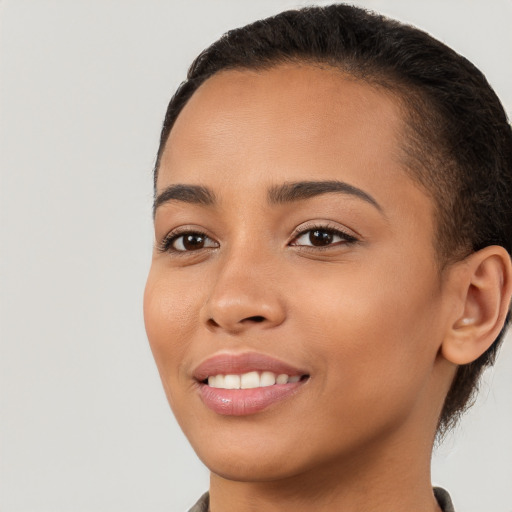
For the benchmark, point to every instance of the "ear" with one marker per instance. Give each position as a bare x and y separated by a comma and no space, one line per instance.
483,286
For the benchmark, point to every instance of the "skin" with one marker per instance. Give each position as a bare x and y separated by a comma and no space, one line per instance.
370,320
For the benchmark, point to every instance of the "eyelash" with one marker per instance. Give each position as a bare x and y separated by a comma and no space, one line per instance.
346,238
166,245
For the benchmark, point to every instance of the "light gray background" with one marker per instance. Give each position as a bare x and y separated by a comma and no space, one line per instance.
83,90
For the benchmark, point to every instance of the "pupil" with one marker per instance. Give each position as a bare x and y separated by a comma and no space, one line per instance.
318,237
191,242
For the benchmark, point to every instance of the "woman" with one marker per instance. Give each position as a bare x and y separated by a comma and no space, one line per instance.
332,266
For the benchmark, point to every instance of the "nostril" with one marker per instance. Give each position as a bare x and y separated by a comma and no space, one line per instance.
234,324
256,319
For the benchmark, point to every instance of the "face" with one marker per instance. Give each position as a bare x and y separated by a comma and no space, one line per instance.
291,245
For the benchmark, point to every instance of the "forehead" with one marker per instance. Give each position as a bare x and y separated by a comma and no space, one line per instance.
246,130
283,115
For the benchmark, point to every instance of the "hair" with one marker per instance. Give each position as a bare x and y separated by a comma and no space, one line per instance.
457,144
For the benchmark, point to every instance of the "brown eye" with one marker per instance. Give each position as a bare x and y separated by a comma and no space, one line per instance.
191,242
319,238
323,237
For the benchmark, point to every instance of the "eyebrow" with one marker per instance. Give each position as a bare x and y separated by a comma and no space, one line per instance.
300,190
279,194
195,194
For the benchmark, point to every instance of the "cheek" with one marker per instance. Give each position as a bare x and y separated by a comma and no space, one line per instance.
169,320
374,330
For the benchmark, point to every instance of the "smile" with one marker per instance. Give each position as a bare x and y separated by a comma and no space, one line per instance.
248,383
250,380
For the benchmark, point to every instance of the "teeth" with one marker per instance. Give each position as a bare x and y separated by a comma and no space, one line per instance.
231,382
267,379
216,381
250,380
282,379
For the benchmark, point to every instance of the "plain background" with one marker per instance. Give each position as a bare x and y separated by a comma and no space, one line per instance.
83,90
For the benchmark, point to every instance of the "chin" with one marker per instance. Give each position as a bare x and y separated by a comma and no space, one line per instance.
249,468
257,458
247,471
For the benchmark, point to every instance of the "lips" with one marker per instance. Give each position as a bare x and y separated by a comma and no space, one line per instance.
222,382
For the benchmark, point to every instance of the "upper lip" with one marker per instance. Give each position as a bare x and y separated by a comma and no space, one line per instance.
232,363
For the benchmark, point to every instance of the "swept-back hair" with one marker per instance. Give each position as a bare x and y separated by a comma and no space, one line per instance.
457,143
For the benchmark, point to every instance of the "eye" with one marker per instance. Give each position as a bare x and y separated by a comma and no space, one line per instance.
322,236
187,242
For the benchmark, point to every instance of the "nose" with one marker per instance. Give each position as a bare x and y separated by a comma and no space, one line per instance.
244,295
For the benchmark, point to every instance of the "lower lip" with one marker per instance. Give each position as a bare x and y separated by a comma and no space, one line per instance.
242,402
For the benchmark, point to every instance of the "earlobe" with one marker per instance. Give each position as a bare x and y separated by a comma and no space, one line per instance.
484,288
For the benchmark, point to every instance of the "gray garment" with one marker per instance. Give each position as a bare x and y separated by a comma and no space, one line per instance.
202,505
442,497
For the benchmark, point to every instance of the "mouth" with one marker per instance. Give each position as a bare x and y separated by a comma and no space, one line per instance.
251,380
243,384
